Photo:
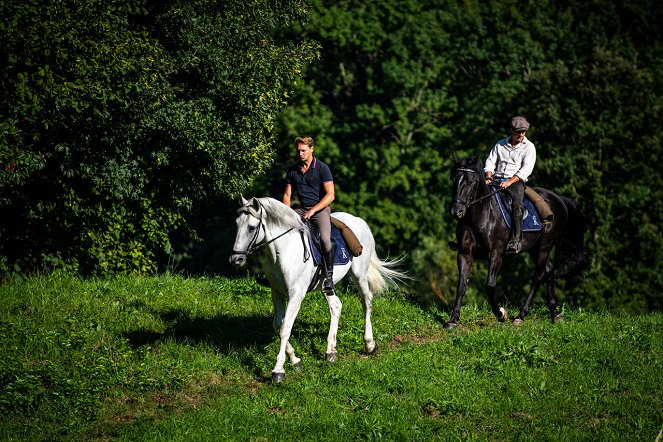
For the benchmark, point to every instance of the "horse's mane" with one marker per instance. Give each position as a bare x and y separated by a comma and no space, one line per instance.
281,215
472,162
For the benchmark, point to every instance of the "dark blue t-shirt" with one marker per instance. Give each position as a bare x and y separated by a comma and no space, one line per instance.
310,185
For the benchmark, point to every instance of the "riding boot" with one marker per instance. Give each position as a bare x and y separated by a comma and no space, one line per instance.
515,242
328,282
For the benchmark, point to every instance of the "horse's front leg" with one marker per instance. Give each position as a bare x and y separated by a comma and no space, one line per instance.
279,302
335,307
464,261
494,267
295,298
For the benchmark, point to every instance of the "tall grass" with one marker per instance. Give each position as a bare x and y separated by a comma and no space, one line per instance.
173,358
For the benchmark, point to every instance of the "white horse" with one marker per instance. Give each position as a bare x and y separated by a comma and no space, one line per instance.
290,269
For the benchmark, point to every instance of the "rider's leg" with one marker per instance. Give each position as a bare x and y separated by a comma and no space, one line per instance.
323,221
517,192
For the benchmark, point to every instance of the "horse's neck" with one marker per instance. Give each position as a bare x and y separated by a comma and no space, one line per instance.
483,207
289,248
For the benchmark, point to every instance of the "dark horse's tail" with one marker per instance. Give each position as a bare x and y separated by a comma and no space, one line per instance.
571,256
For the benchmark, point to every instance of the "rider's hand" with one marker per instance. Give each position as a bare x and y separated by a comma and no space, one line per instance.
507,183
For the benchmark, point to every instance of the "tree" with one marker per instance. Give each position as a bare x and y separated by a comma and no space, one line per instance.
119,119
402,85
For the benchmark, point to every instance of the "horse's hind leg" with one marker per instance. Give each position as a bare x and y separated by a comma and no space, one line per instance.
555,316
334,313
367,304
543,273
491,282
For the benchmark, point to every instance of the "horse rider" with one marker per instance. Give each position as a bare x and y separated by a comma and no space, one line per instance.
509,165
312,181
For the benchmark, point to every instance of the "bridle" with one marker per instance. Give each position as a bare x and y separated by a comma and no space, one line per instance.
475,184
254,245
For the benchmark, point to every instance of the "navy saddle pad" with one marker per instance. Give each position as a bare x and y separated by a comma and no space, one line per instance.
341,254
531,219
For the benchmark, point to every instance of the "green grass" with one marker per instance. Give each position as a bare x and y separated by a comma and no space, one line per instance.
171,358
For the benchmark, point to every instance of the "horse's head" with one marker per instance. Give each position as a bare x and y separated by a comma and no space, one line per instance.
467,175
250,230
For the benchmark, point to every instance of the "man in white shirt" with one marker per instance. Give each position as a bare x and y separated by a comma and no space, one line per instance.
509,165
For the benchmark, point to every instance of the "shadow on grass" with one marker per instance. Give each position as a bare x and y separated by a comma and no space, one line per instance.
226,334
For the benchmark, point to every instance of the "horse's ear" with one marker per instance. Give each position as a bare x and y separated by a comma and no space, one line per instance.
256,204
242,201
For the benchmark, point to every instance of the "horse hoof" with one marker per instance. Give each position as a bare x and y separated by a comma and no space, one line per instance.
374,351
557,318
277,377
518,321
298,365
504,316
450,325
332,357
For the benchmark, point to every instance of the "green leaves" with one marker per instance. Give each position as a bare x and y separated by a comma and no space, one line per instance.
137,113
403,85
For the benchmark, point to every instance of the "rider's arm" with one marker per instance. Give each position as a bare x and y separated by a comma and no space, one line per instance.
287,194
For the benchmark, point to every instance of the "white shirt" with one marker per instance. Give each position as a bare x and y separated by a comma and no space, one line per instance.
506,160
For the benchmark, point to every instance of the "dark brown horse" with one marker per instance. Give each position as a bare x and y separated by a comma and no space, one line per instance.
482,233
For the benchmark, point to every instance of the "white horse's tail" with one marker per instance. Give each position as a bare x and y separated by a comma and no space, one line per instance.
382,274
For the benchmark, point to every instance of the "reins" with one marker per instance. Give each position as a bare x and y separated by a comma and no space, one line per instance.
488,195
499,189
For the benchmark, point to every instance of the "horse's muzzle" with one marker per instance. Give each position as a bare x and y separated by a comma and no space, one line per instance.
458,210
238,260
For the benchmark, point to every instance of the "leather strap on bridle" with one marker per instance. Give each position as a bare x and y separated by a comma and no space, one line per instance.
488,195
253,246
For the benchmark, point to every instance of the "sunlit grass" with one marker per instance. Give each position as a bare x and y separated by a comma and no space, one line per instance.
174,358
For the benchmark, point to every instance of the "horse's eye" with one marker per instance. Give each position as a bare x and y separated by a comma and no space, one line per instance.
252,228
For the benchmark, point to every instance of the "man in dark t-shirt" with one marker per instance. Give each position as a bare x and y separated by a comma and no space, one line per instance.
313,183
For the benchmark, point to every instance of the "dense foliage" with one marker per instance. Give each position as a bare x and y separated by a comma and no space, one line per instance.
402,85
118,118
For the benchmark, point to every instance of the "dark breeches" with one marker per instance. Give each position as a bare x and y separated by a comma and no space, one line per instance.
517,192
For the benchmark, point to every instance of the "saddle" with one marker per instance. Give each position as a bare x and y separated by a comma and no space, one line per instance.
536,210
344,242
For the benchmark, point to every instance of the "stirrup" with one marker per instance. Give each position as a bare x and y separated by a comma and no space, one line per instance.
513,247
328,286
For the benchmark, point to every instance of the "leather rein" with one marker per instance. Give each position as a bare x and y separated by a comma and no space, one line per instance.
475,184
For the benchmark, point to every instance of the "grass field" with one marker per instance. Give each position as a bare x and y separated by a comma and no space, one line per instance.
189,359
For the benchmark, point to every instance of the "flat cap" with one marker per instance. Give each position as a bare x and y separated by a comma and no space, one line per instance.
519,123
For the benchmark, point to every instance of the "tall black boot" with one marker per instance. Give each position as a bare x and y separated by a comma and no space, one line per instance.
328,282
515,243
